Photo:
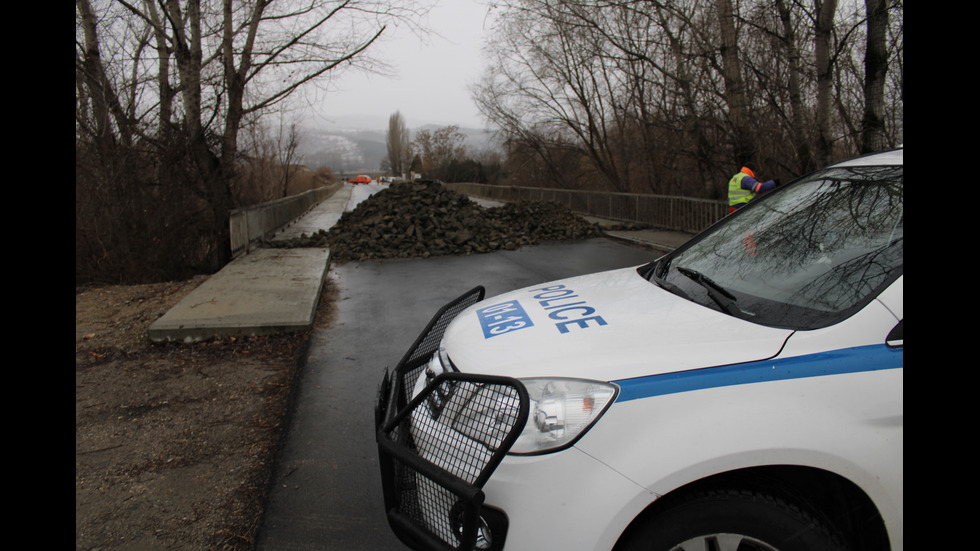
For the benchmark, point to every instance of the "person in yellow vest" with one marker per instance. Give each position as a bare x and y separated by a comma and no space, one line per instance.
743,187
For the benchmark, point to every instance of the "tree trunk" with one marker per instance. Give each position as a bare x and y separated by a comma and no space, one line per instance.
167,94
187,53
743,138
105,104
692,122
797,108
825,78
875,69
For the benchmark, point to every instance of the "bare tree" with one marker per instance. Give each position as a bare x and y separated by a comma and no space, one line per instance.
659,95
287,144
438,148
296,45
218,64
549,81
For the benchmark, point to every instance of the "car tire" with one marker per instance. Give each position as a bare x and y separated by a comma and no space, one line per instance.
731,520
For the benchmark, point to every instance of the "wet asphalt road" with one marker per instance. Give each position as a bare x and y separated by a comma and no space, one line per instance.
326,493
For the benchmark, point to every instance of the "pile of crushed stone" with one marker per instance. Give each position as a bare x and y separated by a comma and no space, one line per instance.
423,218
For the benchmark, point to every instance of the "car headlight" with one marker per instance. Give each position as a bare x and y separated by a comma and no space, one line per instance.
561,411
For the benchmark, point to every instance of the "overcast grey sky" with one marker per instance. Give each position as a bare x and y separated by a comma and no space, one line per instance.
432,84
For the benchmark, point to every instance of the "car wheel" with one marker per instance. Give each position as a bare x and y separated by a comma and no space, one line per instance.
732,520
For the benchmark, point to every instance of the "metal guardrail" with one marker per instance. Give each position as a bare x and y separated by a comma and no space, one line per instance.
255,223
684,214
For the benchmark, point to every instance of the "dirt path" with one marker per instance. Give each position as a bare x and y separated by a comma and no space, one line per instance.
174,444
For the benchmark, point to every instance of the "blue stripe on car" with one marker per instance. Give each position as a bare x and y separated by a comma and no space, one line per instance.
834,362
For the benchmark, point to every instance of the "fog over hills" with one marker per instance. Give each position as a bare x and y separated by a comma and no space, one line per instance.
358,144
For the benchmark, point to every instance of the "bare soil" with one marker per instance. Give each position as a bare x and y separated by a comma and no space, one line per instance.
174,443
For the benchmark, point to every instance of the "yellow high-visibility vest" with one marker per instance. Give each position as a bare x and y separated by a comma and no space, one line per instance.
737,195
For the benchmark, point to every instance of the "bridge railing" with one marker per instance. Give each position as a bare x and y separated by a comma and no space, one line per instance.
662,211
258,222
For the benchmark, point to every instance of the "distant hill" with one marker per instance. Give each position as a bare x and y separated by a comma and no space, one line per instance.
359,144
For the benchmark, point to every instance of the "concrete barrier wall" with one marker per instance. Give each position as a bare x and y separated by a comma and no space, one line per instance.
661,211
259,222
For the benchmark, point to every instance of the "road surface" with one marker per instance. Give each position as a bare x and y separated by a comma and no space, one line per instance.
326,493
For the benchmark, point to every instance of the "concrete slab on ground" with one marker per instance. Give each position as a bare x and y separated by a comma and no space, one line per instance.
264,292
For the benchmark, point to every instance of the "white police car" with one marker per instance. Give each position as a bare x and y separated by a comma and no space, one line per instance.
743,392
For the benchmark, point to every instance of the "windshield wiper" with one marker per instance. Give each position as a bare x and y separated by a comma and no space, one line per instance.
661,280
722,297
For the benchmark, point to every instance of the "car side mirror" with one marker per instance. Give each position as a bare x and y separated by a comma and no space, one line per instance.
894,339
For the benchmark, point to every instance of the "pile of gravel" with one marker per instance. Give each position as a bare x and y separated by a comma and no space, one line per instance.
421,219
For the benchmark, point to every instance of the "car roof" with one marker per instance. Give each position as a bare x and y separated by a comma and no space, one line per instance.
893,157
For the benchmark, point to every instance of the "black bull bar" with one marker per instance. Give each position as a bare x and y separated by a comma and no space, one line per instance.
437,449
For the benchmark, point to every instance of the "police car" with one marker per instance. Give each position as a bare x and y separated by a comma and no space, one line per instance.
742,392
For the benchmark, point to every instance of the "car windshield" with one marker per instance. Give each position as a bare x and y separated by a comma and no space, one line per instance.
808,255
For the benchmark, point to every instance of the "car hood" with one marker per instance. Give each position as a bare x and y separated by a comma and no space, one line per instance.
606,326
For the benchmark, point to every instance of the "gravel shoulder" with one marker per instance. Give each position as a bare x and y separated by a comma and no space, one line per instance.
174,443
